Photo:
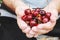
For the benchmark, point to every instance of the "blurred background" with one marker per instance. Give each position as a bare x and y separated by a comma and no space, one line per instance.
8,19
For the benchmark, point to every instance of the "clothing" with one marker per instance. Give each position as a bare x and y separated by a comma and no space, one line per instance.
37,3
9,29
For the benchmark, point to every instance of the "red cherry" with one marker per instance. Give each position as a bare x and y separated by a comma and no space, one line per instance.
48,14
33,23
29,17
37,9
42,12
24,17
45,20
32,11
35,13
27,11
43,17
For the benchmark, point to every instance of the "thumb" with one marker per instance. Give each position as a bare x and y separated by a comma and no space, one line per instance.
22,25
54,16
19,11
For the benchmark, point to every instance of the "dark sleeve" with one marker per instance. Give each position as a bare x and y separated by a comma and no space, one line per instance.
56,30
9,30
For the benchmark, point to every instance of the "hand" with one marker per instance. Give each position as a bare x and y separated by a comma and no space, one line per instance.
41,28
20,12
46,27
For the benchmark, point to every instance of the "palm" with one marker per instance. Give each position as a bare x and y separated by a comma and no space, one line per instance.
41,28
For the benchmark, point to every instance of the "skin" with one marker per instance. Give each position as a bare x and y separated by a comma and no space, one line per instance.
18,6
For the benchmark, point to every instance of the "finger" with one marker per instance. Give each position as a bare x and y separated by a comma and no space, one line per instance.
29,35
42,32
34,29
22,25
47,26
26,30
40,26
32,32
37,28
53,18
36,35
54,15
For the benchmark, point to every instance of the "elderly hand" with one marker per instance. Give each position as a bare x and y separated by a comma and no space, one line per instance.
36,30
46,27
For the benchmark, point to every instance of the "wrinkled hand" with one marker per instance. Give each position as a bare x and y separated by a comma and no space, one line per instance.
41,28
22,25
46,27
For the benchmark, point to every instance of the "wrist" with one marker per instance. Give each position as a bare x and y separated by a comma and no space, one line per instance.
19,3
53,10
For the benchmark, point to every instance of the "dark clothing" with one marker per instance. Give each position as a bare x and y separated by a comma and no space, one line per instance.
9,29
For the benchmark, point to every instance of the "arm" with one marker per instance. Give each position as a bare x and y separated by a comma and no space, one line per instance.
53,7
9,4
54,4
13,4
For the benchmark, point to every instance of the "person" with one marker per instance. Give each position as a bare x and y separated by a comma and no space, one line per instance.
18,6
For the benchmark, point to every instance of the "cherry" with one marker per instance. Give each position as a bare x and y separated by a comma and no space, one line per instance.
36,16
24,17
48,14
37,9
33,23
32,11
29,17
43,17
42,12
45,20
27,11
35,13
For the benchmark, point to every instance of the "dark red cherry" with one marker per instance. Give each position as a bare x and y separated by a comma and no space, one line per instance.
33,23
45,20
42,12
37,9
27,11
32,11
29,17
24,17
48,14
35,13
43,17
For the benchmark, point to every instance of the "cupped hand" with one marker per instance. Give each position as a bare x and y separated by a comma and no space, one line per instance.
36,30
46,27
22,25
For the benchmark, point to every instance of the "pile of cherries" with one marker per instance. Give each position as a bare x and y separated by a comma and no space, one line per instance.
36,16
